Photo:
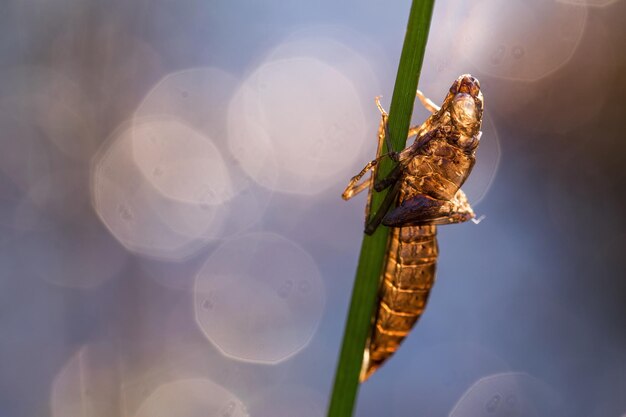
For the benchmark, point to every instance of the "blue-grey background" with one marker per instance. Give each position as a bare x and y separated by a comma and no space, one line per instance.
104,318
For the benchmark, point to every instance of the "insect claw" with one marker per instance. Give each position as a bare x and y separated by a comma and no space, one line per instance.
478,220
380,107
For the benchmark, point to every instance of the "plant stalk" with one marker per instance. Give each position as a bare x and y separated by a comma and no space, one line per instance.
365,291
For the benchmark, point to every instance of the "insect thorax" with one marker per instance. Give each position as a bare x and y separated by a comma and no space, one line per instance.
438,170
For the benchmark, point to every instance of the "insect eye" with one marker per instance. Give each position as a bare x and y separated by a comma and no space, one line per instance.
475,88
455,87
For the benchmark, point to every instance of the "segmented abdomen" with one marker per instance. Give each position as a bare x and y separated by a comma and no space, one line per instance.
409,274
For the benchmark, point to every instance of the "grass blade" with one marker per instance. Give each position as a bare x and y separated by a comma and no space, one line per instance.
364,293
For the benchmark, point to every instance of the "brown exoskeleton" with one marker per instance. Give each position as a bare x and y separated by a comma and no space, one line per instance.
426,189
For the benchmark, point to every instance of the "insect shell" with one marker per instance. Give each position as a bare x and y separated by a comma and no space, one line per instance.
426,191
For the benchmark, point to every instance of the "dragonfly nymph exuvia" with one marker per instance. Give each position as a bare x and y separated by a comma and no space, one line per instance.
425,191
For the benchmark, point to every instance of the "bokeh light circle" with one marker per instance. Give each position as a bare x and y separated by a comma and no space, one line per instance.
52,103
444,60
142,219
521,40
197,96
180,162
566,101
259,298
349,52
191,398
46,133
296,125
508,394
435,376
87,384
202,172
28,161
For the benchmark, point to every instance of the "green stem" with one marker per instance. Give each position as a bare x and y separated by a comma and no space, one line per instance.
365,291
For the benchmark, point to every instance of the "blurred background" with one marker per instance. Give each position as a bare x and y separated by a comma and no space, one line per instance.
172,238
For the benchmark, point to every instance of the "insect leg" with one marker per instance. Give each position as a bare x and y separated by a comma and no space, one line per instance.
428,103
354,187
389,180
373,223
419,130
387,137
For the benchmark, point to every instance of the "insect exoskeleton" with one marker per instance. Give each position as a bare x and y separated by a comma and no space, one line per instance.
426,191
